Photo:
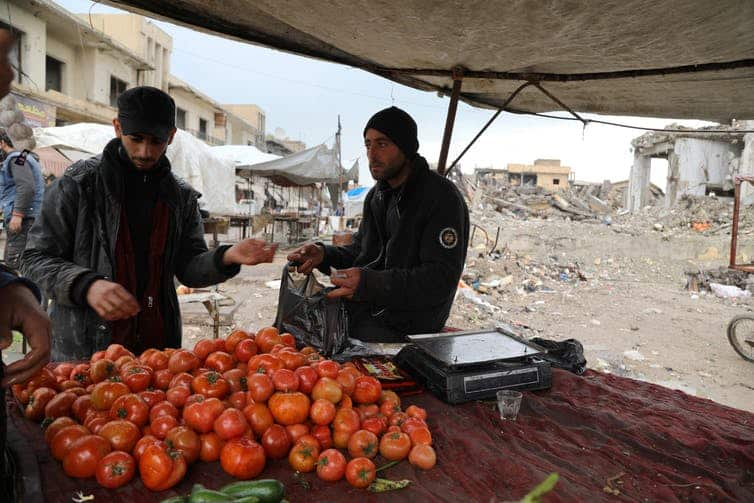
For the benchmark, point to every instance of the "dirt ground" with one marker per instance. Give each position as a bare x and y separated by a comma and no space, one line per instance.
631,313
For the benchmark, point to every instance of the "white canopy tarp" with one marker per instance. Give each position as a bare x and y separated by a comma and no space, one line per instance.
191,159
314,165
242,155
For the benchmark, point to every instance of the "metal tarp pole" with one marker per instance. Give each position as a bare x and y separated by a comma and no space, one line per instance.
450,120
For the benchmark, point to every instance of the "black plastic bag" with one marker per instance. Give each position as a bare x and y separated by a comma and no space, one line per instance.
567,355
313,319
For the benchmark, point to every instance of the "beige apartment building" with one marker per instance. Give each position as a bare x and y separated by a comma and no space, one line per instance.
546,173
69,72
255,117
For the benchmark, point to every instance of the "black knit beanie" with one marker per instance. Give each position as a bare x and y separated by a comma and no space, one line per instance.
399,127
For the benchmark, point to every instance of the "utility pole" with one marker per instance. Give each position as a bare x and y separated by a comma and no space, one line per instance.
340,165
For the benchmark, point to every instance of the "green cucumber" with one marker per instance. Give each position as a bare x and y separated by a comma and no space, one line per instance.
266,490
209,496
175,499
247,499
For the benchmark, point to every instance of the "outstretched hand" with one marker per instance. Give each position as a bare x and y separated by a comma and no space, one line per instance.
250,252
347,281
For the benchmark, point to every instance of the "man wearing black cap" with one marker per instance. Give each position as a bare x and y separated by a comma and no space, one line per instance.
114,231
400,274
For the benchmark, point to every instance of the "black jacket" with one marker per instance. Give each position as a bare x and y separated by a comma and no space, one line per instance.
412,278
76,235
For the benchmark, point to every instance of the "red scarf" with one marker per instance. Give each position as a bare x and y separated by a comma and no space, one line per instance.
146,329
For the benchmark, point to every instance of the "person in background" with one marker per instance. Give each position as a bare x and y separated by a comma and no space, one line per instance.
399,276
22,188
116,229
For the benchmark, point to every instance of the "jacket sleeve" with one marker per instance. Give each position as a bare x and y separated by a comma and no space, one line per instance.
442,254
48,256
196,266
25,187
8,278
341,257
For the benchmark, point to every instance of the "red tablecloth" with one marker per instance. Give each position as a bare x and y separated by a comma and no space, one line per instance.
667,445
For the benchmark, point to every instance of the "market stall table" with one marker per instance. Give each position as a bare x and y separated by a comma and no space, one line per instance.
647,442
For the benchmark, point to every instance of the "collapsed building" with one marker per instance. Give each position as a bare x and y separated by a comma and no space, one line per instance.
700,162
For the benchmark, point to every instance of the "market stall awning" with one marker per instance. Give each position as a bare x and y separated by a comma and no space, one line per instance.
313,165
678,58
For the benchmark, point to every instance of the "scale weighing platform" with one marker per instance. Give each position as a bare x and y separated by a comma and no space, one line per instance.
474,365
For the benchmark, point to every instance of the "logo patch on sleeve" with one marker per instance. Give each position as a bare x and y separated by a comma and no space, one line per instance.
448,237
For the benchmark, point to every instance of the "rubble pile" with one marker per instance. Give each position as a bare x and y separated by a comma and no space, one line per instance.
705,214
700,280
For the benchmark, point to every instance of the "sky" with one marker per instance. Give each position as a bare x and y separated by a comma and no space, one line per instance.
303,97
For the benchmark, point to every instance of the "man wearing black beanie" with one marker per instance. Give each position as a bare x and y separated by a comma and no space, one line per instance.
400,274
116,229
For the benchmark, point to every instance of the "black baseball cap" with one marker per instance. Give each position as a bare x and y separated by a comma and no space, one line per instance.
146,110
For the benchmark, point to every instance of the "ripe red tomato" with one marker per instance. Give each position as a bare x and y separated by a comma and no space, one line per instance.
347,381
157,360
265,363
54,427
322,411
186,441
161,379
116,469
183,360
236,379
411,424
346,420
276,442
328,368
152,397
363,444
420,436
331,465
323,434
360,472
80,374
181,379
292,359
239,399
125,361
285,380
60,405
64,369
219,361
389,407
422,456
373,424
162,425
328,389
289,408
288,339
201,415
259,417
178,395
242,458
211,445
115,351
230,424
267,338
203,348
102,370
245,349
142,445
234,339
63,439
131,407
35,409
164,408
161,467
260,387
340,438
395,445
296,431
84,454
307,378
367,390
105,393
390,395
95,419
417,412
303,457
210,384
121,434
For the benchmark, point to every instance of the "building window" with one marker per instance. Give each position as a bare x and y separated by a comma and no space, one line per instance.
53,74
117,87
14,55
556,181
203,129
180,118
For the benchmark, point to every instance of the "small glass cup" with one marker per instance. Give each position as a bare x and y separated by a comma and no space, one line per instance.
509,402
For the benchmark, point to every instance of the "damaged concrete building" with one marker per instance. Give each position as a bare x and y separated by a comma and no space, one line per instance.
700,162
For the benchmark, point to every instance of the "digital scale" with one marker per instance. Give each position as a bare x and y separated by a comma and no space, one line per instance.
473,365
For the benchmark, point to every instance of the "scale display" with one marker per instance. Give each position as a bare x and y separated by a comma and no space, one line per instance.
472,347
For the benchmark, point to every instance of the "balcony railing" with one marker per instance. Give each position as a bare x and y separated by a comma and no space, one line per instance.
210,140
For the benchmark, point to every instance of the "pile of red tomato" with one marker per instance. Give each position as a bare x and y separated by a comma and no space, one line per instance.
240,400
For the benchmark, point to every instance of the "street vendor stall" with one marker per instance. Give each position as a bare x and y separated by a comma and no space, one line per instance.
609,438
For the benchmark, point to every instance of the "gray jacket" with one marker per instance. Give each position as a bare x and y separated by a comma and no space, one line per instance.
76,234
